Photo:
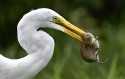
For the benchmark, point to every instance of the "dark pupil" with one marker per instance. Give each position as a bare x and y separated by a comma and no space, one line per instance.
87,35
55,17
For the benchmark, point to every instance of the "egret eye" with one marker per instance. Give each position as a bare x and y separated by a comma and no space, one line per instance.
55,19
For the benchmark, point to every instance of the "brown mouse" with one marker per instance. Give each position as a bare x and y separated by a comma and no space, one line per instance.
90,48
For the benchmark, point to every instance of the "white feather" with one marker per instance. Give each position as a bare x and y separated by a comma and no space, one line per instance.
38,44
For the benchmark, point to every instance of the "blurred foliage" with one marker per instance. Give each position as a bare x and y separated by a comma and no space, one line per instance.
103,18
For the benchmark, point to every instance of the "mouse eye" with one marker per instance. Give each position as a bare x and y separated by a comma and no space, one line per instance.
87,35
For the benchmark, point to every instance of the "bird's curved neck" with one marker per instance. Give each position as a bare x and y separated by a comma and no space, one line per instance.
31,39
38,44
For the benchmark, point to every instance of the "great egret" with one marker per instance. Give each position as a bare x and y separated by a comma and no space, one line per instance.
38,44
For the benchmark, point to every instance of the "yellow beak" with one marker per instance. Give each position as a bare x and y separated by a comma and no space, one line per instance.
65,24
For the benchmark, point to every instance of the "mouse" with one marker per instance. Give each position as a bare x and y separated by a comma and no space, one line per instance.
90,48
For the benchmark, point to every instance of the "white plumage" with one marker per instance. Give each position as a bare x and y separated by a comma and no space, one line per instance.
38,44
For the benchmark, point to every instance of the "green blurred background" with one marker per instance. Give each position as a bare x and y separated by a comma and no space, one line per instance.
103,18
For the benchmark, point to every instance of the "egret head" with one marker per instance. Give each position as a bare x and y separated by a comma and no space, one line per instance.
47,18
